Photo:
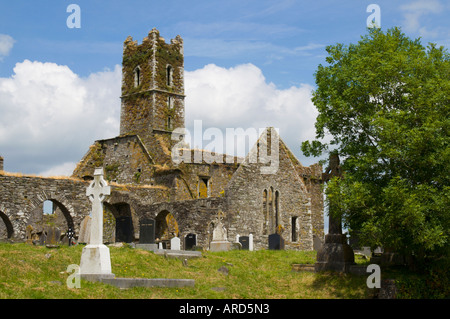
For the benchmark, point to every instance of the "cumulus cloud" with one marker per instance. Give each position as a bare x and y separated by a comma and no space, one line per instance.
414,11
50,115
6,44
241,97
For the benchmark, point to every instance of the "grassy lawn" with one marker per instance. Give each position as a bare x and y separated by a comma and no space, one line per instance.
38,272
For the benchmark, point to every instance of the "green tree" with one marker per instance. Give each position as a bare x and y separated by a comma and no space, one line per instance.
385,103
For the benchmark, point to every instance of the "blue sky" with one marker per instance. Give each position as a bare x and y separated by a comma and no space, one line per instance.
286,39
277,44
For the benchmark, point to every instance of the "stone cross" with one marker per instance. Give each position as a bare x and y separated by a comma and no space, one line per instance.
333,170
96,193
219,232
335,254
95,258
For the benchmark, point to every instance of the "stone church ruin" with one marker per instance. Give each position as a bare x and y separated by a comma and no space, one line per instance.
151,193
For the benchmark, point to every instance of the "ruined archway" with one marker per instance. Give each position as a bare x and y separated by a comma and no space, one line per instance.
56,219
166,226
6,230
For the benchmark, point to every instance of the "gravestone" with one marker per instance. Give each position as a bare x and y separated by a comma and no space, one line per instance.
276,242
29,233
147,231
244,240
317,243
124,229
53,236
85,230
190,241
250,242
175,243
95,258
42,238
219,241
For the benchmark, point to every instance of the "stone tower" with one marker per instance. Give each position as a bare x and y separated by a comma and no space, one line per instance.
153,92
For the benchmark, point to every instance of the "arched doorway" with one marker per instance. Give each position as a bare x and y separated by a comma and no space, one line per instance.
6,228
118,223
166,227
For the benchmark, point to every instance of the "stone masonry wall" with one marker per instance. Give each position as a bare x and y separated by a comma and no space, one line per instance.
245,203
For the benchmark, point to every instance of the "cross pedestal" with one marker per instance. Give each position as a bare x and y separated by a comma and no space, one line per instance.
95,259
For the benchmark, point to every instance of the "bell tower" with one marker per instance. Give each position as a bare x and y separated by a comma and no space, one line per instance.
153,92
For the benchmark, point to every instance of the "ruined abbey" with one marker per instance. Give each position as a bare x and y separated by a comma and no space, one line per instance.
183,197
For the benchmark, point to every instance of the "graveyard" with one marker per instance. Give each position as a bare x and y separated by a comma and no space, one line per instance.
39,272
36,272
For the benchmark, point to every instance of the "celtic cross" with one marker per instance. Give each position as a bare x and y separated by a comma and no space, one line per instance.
96,193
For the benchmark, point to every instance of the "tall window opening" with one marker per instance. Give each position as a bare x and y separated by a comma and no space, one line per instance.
203,187
169,71
294,228
277,208
137,77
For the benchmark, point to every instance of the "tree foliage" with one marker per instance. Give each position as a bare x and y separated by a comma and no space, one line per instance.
385,103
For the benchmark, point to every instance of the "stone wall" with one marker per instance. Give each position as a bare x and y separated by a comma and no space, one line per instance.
251,213
21,199
193,217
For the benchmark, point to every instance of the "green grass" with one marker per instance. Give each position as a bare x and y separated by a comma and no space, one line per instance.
38,272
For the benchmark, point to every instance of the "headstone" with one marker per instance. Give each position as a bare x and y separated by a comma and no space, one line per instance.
29,232
317,242
276,242
124,229
85,230
53,236
42,238
219,241
190,241
175,243
250,242
147,231
244,240
95,258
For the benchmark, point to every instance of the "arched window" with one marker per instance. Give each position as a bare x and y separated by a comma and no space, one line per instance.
265,202
169,123
277,208
137,76
169,73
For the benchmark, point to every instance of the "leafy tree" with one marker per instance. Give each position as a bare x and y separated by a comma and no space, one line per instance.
385,103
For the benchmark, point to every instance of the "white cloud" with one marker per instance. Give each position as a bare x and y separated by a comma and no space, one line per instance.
414,11
49,115
64,169
6,44
240,97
